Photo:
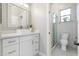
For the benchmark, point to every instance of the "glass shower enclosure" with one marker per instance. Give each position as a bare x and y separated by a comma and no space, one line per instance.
54,28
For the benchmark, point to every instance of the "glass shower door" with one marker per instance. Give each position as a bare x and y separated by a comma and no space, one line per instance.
54,23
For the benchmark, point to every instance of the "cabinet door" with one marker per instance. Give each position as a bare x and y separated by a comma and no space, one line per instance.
26,48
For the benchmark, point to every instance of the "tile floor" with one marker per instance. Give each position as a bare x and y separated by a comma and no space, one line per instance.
58,52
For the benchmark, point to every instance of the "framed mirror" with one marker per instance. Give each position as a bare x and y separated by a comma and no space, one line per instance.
17,16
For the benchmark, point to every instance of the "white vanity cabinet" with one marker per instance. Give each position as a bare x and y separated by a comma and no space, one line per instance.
21,45
26,46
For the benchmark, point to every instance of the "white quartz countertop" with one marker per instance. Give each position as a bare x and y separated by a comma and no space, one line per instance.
5,36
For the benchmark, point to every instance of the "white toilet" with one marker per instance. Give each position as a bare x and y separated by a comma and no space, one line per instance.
64,41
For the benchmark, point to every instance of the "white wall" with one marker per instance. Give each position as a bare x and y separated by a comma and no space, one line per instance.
69,27
39,14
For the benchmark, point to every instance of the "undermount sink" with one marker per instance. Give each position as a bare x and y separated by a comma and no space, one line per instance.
23,31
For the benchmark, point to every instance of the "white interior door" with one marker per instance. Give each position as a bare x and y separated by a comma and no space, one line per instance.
78,24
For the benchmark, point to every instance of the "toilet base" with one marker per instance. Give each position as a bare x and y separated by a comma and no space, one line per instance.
63,48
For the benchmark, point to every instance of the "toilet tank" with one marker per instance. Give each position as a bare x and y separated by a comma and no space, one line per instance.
64,35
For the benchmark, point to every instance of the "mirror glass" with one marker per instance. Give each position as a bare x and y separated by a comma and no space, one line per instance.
17,16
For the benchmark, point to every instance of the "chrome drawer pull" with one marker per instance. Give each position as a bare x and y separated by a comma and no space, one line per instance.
11,41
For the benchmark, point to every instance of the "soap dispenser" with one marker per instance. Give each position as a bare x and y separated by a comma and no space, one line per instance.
30,28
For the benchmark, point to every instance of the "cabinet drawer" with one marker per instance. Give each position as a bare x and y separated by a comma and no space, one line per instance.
11,50
7,42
